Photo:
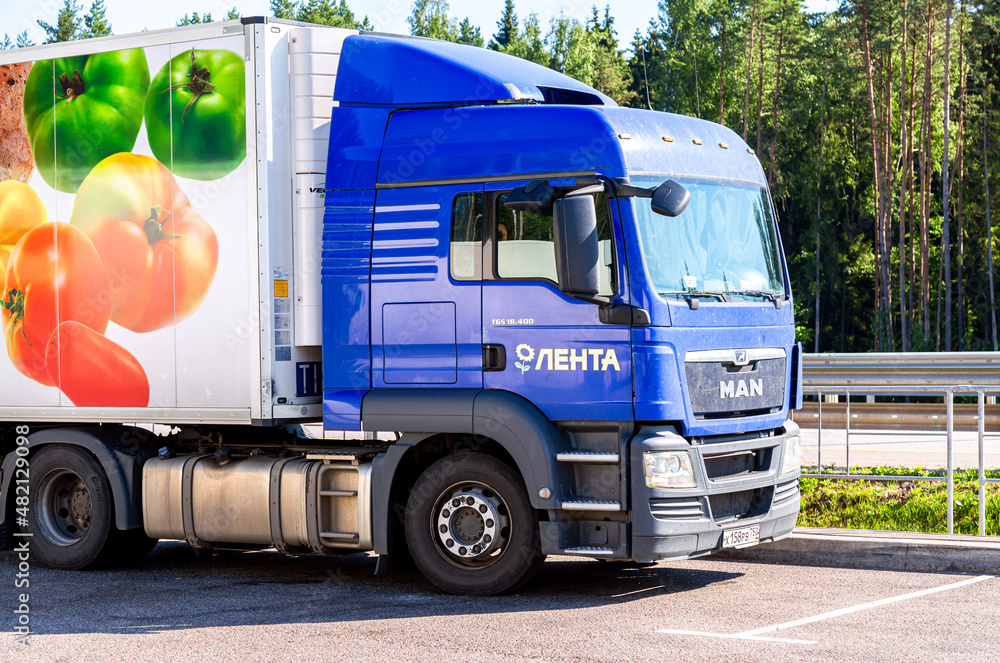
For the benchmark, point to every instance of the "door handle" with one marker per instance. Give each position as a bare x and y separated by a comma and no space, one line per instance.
494,357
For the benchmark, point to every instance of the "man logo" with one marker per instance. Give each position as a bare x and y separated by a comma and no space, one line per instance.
741,389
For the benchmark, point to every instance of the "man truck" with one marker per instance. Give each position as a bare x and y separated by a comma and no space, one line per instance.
269,283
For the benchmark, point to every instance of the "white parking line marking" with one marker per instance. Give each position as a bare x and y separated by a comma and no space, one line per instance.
755,634
864,606
737,636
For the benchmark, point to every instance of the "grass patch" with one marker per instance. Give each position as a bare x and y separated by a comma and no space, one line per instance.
908,506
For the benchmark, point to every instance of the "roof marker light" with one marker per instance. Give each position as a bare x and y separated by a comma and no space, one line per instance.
624,136
724,146
750,150
696,141
668,139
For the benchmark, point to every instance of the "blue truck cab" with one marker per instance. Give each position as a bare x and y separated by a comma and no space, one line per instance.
572,368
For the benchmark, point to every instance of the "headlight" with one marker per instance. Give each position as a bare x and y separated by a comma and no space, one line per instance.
668,469
792,459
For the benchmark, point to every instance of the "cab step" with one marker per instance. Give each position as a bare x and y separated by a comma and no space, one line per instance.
590,505
587,457
590,551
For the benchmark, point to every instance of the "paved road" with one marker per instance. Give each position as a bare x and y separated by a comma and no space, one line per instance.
263,606
898,448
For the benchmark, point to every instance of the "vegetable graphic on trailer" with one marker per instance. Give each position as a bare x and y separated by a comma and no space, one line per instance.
136,181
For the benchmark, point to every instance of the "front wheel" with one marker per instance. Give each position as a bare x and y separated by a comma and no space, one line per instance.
470,527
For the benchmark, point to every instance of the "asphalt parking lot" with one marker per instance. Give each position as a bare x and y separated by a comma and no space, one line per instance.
263,606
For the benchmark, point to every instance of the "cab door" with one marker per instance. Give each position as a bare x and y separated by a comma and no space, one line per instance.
426,293
559,355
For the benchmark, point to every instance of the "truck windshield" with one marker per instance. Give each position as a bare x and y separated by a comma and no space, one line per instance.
724,245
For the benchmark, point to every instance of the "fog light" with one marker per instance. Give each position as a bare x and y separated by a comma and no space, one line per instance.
668,469
792,458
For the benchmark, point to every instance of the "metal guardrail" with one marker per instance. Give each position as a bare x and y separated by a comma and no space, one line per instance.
907,374
912,369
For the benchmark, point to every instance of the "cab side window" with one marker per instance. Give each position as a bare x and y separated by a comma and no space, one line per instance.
466,253
525,248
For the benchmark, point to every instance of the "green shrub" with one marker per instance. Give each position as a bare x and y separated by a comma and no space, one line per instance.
913,506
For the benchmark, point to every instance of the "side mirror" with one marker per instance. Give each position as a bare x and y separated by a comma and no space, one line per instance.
670,198
531,197
574,229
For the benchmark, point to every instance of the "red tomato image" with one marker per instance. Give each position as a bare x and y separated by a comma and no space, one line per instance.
160,255
54,275
94,370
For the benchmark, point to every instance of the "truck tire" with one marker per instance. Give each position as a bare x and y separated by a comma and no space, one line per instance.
71,513
470,527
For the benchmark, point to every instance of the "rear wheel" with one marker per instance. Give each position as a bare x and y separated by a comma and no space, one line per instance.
470,527
72,512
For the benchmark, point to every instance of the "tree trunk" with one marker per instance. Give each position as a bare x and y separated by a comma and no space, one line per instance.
925,193
904,155
819,200
774,99
887,185
746,98
880,193
722,73
989,236
945,184
912,186
760,96
960,167
697,96
937,315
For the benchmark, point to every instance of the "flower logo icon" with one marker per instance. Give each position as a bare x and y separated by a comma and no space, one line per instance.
525,353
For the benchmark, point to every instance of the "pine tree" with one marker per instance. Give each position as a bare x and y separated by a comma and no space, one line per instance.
469,33
611,74
506,28
327,12
528,43
232,15
68,25
95,22
7,44
194,19
23,41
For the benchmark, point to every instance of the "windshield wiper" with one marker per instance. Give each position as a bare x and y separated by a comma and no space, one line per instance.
777,298
692,296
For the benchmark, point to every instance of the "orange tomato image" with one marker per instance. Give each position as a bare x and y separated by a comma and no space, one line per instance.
159,253
20,210
93,370
54,275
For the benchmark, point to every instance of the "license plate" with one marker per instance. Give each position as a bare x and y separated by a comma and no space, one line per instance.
742,537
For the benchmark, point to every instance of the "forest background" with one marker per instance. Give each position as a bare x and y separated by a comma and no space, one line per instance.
876,125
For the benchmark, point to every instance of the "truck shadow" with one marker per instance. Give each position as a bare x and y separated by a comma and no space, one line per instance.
173,589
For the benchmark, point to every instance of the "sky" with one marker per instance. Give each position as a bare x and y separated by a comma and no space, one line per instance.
387,15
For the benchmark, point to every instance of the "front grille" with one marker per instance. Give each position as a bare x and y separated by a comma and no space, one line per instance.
718,389
740,504
737,464
676,508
